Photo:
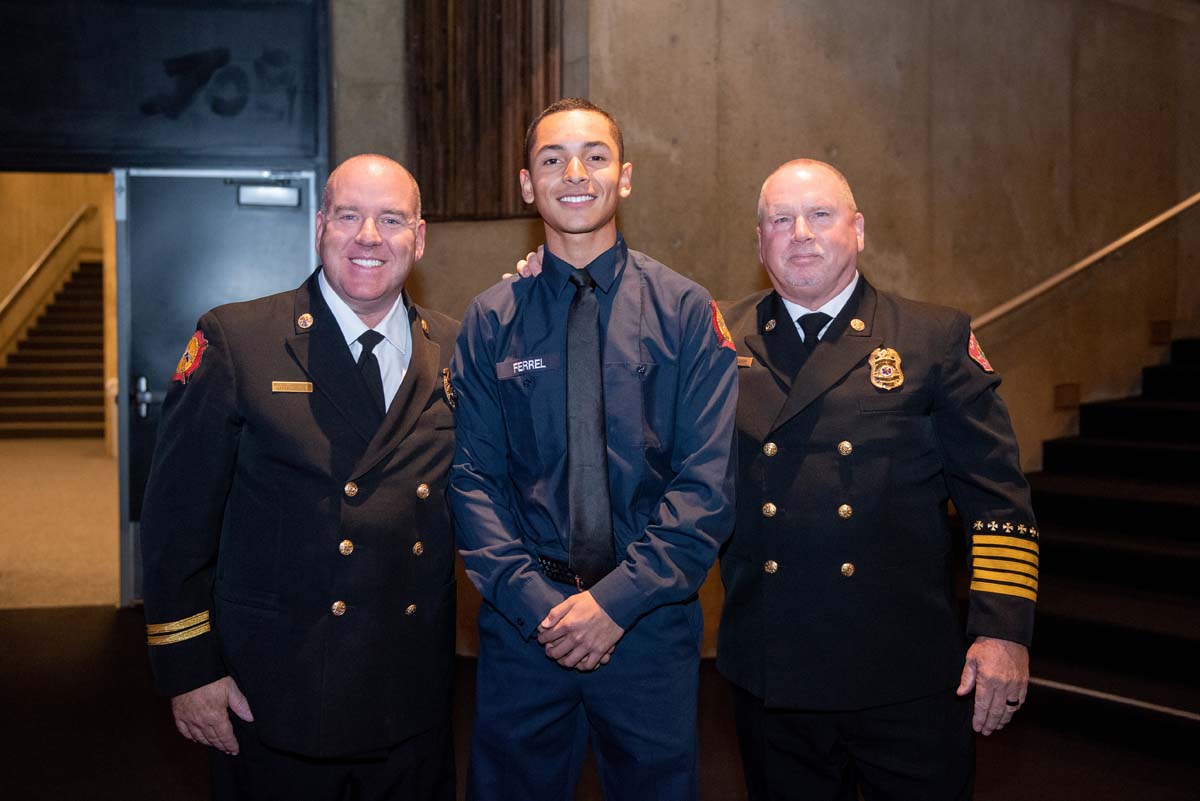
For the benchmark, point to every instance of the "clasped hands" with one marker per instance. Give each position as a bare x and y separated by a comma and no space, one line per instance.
579,634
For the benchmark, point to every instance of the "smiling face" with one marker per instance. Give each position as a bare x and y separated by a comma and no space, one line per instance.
809,233
577,181
369,234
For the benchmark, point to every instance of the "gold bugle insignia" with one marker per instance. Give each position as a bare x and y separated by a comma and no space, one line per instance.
451,395
885,369
291,386
745,361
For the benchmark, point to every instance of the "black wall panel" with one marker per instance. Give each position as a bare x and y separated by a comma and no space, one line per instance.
90,85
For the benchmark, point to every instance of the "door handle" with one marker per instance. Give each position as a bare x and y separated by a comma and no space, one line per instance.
143,397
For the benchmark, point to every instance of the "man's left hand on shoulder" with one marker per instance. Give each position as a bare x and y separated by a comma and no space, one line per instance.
579,634
998,671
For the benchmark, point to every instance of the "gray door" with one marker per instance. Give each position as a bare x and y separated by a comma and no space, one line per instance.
189,240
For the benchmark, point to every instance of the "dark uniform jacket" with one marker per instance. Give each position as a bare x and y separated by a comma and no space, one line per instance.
669,395
292,544
838,582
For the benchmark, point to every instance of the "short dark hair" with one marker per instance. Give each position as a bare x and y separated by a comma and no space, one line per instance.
572,104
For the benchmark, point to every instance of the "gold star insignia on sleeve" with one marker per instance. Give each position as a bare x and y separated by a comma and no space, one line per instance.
1008,528
978,525
993,526
1022,528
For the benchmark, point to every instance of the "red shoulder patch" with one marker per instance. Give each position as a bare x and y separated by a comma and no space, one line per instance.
976,353
724,338
190,359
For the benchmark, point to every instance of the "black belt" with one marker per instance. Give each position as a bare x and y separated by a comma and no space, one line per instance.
560,572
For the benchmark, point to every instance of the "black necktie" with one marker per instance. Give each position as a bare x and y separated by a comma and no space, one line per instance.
811,325
368,365
592,551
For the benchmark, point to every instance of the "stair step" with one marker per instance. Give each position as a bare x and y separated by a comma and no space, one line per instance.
30,414
1097,603
67,430
92,344
84,332
57,397
1131,561
1143,418
1183,696
1167,509
1169,382
57,357
1122,457
54,369
72,317
1186,352
39,384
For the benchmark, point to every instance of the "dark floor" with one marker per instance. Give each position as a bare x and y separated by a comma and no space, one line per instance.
80,722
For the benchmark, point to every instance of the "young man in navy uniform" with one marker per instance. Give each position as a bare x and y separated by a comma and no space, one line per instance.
591,488
860,415
298,557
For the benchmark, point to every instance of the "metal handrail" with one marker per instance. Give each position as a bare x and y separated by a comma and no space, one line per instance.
1081,265
86,211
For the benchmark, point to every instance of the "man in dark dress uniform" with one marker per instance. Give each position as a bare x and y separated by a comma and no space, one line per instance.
860,415
298,556
591,488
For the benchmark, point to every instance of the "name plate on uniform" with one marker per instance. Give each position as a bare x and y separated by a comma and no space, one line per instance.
291,386
745,361
513,368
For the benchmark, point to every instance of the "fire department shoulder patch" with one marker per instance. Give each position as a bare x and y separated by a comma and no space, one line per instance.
190,359
976,353
724,338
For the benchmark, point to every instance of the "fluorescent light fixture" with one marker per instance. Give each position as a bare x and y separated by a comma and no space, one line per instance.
252,195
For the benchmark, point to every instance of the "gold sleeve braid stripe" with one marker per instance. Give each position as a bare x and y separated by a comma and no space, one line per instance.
178,630
1005,565
1003,589
187,634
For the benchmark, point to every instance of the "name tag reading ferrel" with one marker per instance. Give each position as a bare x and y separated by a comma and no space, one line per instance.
512,368
291,386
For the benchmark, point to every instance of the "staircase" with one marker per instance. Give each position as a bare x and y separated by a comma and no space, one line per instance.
1119,508
53,384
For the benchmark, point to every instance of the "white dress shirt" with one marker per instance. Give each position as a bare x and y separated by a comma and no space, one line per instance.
832,307
393,353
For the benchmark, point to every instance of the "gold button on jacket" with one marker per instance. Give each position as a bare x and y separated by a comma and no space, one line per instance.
422,491
771,567
845,511
418,548
351,489
848,569
845,448
411,609
345,547
338,608
770,449
769,509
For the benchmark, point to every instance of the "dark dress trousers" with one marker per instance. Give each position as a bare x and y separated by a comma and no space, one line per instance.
297,545
838,578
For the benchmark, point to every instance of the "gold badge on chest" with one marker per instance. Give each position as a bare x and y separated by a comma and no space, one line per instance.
885,369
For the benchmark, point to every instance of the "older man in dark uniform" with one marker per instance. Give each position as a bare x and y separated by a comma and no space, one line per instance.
860,415
298,556
591,488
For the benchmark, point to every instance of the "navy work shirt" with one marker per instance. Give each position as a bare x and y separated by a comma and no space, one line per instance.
670,398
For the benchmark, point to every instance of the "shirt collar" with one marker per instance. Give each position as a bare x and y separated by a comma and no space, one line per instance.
604,268
394,326
832,307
